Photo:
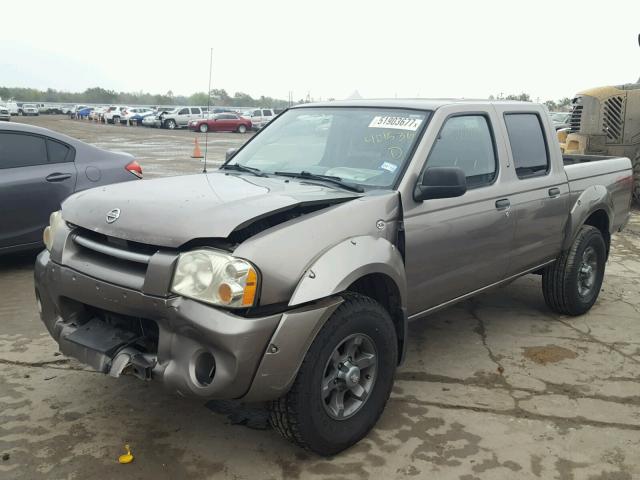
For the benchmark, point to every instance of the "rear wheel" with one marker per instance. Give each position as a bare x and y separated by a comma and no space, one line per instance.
242,129
572,283
344,381
204,128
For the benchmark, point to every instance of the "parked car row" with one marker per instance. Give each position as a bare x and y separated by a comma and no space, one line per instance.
195,118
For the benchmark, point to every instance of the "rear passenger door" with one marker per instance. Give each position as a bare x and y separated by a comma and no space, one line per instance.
36,175
196,113
455,246
183,117
539,189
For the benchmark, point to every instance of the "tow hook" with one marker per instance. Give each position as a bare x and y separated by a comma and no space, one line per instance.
130,361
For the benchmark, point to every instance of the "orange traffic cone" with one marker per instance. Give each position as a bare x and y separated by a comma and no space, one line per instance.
196,150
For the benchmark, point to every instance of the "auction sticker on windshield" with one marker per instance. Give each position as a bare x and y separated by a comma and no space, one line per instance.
400,123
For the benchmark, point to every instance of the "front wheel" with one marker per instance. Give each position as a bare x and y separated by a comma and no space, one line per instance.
572,283
204,128
242,129
170,124
344,381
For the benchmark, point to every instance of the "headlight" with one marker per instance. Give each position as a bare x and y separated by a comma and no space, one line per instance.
55,220
216,278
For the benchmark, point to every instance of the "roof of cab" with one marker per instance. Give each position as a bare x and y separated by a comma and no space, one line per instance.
411,103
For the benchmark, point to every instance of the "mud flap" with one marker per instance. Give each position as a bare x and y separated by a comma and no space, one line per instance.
95,343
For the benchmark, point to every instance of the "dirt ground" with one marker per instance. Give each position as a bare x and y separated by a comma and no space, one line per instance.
497,387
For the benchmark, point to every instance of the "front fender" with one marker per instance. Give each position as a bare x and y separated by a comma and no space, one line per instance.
592,199
346,262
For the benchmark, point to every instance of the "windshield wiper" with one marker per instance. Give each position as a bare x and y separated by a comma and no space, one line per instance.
325,178
242,168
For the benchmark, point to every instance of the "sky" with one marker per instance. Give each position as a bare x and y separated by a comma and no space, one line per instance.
328,49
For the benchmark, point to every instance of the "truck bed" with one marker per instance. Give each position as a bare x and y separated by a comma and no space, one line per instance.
587,166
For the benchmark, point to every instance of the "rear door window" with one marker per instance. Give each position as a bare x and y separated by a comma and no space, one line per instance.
528,144
21,150
196,111
58,152
466,142
267,113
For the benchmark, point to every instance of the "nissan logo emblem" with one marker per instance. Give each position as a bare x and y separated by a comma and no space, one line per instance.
113,215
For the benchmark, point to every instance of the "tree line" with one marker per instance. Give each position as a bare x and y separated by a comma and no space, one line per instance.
219,97
563,104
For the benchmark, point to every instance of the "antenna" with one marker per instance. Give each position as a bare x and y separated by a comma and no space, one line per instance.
206,135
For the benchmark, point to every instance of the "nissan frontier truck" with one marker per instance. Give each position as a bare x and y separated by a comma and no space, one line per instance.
289,274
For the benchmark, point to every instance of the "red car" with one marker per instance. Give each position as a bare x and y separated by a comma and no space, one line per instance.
222,122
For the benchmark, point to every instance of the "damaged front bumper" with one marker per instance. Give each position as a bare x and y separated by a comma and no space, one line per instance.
194,349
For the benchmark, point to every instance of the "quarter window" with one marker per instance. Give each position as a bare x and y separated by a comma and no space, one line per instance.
58,152
19,150
466,142
528,145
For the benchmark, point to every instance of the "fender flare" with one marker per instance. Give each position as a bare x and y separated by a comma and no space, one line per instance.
341,265
592,199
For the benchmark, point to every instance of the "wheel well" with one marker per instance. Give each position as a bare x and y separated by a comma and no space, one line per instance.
384,290
600,220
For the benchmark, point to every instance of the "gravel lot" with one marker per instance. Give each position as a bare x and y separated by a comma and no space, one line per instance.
497,387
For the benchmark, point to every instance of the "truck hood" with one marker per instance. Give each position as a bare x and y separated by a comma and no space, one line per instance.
172,211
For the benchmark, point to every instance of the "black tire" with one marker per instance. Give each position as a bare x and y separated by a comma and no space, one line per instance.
170,124
302,417
204,128
242,129
565,284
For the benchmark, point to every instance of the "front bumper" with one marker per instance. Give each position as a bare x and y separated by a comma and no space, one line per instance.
254,358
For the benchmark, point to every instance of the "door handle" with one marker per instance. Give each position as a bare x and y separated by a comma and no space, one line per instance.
554,192
503,203
57,177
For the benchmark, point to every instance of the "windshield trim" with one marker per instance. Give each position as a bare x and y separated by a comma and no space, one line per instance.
428,114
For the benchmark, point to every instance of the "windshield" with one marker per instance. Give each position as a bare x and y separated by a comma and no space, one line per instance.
365,146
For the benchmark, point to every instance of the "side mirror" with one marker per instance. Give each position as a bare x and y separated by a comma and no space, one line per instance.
230,153
441,182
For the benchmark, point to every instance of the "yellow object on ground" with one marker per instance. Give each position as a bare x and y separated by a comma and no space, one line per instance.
127,457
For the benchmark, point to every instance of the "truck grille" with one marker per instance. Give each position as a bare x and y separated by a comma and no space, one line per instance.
114,260
576,116
612,119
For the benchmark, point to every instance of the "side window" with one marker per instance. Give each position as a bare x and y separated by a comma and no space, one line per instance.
256,113
528,145
19,150
196,111
58,152
267,113
466,142
184,111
